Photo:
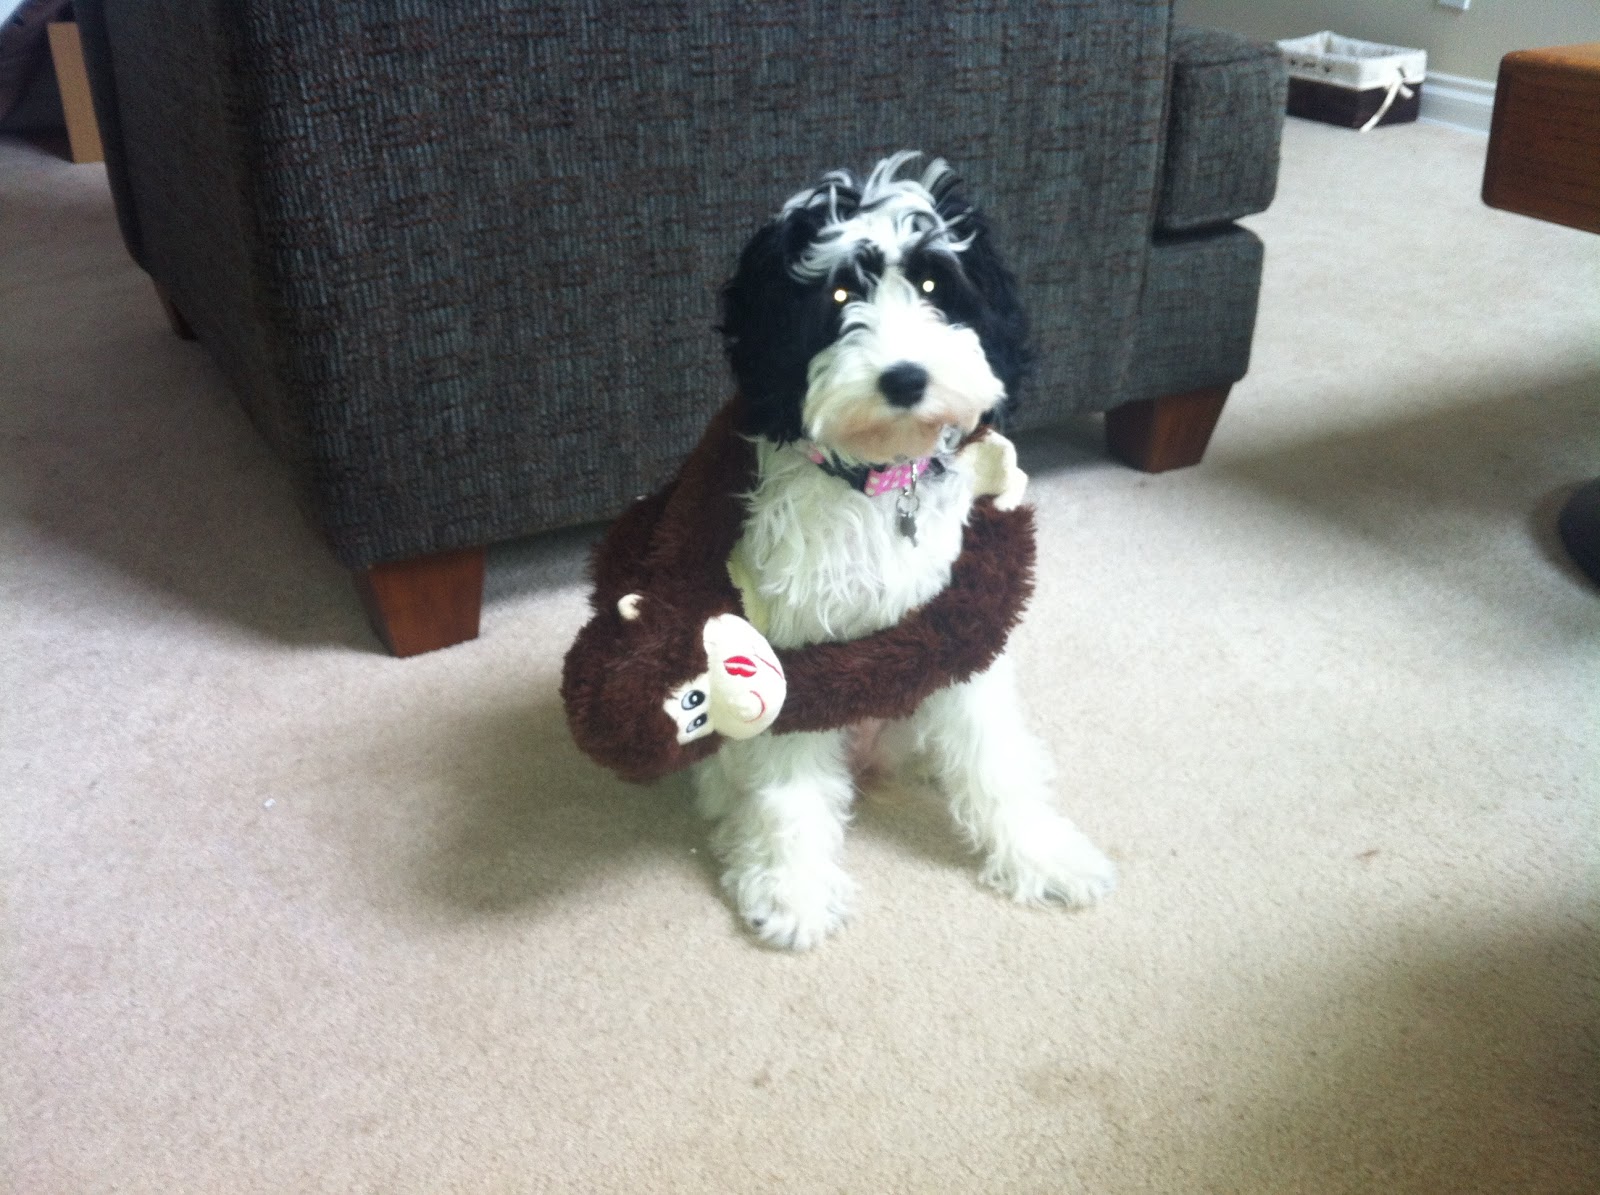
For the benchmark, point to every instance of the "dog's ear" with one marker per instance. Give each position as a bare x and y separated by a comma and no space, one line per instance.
766,311
1003,330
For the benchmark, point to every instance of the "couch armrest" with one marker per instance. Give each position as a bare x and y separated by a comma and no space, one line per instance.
1224,122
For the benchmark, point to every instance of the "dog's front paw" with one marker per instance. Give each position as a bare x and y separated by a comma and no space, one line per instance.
1055,865
790,907
993,463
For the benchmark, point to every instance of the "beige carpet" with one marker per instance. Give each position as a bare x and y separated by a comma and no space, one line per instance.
283,914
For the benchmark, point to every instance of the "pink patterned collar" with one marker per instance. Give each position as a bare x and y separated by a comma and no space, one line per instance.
873,480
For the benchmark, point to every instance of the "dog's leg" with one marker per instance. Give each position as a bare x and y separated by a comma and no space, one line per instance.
780,803
997,777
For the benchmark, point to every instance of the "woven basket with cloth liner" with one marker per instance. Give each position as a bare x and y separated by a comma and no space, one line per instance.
1351,83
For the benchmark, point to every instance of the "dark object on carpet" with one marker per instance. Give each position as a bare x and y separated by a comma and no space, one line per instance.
1579,525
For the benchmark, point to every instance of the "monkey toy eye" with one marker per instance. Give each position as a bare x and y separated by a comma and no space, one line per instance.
693,699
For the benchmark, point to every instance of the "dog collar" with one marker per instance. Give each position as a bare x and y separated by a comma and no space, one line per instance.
900,477
873,480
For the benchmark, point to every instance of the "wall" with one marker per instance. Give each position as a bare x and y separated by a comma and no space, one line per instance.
1458,43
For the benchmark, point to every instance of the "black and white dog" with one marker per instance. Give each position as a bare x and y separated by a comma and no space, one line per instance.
871,326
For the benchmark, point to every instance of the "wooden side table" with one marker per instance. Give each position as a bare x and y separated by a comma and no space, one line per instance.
1544,161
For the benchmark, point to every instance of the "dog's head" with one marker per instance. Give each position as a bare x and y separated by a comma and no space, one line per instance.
868,317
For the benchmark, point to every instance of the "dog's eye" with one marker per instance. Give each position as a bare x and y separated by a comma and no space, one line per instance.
927,286
693,699
841,296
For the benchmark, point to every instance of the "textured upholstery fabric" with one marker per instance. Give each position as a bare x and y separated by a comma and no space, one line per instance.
1223,128
461,261
1198,313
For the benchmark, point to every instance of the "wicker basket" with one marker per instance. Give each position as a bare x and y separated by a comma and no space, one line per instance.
1351,83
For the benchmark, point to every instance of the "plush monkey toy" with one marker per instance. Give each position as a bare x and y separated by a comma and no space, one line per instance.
672,661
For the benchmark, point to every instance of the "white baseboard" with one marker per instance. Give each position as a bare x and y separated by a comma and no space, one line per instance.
1458,101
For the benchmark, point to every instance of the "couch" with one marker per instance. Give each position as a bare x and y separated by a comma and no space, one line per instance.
461,261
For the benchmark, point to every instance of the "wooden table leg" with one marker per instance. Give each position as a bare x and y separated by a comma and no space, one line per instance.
72,78
1543,158
1543,161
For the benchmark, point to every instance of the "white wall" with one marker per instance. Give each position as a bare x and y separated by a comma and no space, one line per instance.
1467,43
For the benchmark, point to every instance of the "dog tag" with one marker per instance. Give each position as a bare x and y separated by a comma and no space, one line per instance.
905,509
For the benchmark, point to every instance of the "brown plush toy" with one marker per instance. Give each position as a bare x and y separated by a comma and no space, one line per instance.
664,594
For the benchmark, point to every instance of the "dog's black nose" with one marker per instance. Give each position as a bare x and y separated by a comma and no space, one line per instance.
903,384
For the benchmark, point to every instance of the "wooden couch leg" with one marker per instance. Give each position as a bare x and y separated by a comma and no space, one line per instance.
424,603
1165,433
180,326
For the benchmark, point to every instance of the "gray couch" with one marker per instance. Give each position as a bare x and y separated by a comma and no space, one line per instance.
461,261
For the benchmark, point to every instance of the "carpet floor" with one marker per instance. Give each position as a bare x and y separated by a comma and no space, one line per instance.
282,914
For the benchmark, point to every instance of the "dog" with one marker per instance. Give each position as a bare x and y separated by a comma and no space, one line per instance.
871,327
